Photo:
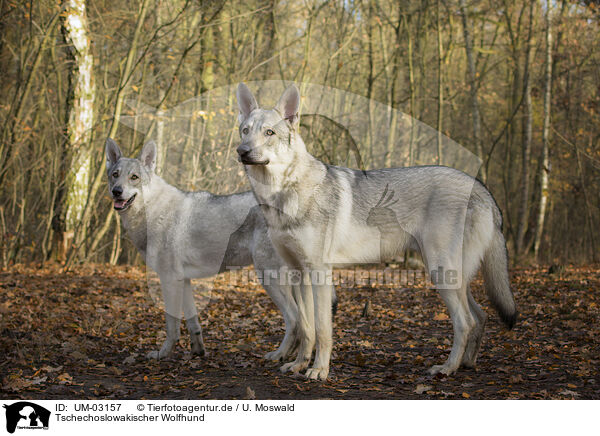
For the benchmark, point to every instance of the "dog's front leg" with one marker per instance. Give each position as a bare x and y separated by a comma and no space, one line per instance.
172,291
305,324
191,320
322,290
283,298
173,324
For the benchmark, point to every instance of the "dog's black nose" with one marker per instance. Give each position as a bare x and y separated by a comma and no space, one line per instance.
117,191
243,149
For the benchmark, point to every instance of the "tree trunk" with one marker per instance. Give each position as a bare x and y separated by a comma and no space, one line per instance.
411,86
526,147
391,139
80,119
472,78
370,83
118,106
545,163
440,108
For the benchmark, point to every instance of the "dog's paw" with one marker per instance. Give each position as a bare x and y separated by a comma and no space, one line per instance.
442,369
198,351
198,347
469,361
274,356
165,351
153,355
294,367
317,373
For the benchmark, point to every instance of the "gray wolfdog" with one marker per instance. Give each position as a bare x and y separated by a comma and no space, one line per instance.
184,235
320,216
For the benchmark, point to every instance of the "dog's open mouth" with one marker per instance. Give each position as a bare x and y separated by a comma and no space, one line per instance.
249,161
123,204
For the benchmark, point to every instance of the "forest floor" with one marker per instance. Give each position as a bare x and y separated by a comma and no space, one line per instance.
85,334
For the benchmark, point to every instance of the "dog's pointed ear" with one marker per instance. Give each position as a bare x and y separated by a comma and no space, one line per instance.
289,104
113,153
148,155
246,101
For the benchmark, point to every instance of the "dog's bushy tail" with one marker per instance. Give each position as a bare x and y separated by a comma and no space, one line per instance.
497,284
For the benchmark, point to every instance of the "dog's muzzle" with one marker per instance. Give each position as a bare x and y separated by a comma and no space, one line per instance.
248,156
121,204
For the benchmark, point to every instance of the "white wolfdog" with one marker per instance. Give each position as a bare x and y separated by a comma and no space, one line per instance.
320,216
184,235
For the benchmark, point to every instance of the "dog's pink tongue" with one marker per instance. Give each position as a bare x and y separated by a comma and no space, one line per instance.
119,203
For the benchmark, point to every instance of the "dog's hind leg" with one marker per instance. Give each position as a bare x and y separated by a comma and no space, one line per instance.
172,290
462,323
191,320
476,336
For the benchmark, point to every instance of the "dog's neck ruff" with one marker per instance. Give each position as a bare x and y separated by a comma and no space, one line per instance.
284,192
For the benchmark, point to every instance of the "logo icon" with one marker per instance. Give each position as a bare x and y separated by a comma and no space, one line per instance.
26,415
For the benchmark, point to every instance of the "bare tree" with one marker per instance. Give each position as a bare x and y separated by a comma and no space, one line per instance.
526,142
440,83
80,119
160,53
544,169
472,79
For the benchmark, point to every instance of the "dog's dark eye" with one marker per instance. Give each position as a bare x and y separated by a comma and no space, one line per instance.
134,177
245,130
115,174
269,132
